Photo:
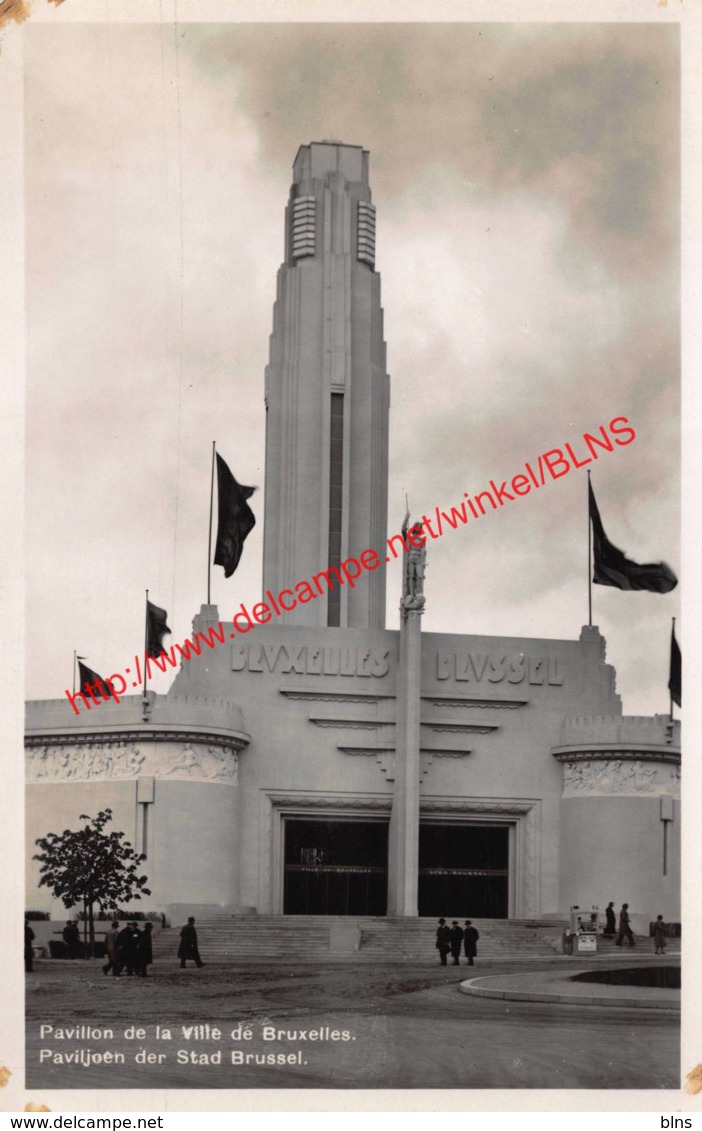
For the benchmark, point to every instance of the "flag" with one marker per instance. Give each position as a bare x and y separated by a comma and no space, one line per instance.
675,680
236,520
156,629
88,676
612,567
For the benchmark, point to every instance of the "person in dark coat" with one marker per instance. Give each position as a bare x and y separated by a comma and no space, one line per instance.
659,934
128,950
111,937
443,940
147,950
71,937
28,951
470,938
455,940
611,926
188,945
624,927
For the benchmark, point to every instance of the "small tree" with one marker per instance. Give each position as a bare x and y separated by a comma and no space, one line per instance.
89,867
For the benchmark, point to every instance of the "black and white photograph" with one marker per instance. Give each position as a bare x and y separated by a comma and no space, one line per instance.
352,551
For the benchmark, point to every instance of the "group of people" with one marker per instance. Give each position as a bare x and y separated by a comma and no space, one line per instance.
132,949
450,939
128,949
625,931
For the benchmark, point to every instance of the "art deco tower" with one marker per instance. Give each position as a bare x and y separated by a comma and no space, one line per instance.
327,392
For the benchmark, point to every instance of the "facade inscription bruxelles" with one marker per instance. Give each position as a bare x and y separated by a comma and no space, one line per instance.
307,659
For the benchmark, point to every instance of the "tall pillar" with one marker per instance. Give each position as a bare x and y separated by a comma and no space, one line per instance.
403,862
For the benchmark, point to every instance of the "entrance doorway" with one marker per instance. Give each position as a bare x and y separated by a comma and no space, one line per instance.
335,867
463,871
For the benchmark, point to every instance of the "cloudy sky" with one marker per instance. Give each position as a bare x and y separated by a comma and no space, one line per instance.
525,178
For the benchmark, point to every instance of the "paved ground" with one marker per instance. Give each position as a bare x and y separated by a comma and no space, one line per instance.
405,1027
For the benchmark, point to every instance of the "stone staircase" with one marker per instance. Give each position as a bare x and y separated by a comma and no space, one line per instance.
310,938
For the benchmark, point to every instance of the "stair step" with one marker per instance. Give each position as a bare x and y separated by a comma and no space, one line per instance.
303,938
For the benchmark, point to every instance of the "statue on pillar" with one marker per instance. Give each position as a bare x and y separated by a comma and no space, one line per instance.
413,567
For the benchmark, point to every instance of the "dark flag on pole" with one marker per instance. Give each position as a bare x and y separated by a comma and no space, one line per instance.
156,629
675,680
612,567
88,677
236,520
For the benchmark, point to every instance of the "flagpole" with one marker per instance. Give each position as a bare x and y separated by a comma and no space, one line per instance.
589,556
672,634
146,638
209,541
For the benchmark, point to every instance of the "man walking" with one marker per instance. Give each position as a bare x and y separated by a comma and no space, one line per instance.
624,928
147,949
443,940
470,936
71,937
659,934
188,945
29,953
611,926
455,940
128,950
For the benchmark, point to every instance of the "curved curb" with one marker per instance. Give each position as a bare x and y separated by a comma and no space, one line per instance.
471,987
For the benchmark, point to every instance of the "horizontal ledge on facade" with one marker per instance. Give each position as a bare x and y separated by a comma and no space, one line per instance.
440,700
334,696
371,749
611,752
439,726
445,752
349,724
212,736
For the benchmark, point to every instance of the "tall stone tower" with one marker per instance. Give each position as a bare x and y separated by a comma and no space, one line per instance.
327,392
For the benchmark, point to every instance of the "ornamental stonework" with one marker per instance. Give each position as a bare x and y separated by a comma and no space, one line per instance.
117,761
621,778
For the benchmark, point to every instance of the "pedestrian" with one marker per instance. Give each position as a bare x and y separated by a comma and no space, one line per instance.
28,952
455,940
443,942
624,928
659,934
128,950
188,945
71,937
147,950
111,937
470,938
611,925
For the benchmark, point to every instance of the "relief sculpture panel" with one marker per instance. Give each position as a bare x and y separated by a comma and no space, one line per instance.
620,777
103,761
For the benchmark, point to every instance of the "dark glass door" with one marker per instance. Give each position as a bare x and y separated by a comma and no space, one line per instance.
335,867
463,871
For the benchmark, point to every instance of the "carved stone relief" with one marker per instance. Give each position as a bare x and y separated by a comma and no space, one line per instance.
620,777
103,761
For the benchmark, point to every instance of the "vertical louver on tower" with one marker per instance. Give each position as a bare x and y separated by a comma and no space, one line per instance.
366,232
303,217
